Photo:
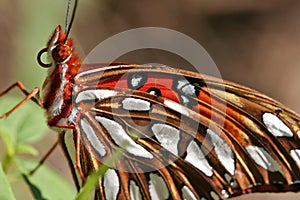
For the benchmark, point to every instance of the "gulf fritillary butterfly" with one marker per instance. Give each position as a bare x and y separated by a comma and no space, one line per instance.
161,119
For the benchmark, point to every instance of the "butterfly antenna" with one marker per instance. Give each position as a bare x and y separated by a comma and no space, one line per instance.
69,23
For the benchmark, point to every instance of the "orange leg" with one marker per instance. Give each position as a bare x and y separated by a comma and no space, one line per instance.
29,96
45,157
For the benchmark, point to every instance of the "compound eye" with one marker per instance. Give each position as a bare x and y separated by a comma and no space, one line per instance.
61,53
39,58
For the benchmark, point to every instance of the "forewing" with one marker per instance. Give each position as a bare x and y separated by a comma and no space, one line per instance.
184,135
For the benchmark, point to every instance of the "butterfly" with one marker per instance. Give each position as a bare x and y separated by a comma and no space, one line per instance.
182,135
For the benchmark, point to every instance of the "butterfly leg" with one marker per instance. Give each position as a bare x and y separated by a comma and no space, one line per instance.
61,139
29,96
44,157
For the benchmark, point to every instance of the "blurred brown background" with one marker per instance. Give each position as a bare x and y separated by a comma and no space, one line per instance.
255,43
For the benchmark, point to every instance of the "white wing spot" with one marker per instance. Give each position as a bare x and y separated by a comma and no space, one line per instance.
134,190
157,187
152,92
136,79
225,194
92,138
186,87
222,150
263,158
187,194
185,100
134,104
214,195
176,107
196,157
295,153
111,184
168,136
121,138
276,126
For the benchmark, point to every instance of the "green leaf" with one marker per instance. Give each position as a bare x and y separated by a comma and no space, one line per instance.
5,191
10,149
34,189
24,148
45,182
27,124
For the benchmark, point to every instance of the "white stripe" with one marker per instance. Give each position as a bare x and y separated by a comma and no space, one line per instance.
168,136
111,184
157,187
196,158
121,138
94,95
56,106
223,151
93,71
276,126
134,104
92,138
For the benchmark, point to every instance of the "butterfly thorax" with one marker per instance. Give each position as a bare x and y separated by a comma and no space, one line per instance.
58,86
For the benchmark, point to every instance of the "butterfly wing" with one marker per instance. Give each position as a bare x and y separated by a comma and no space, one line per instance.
183,135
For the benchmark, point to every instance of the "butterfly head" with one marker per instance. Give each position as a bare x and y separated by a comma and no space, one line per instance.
59,49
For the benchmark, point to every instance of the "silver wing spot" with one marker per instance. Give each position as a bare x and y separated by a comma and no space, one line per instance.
122,139
134,104
92,138
295,153
223,151
168,136
187,194
276,126
157,187
263,159
134,190
111,184
196,157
